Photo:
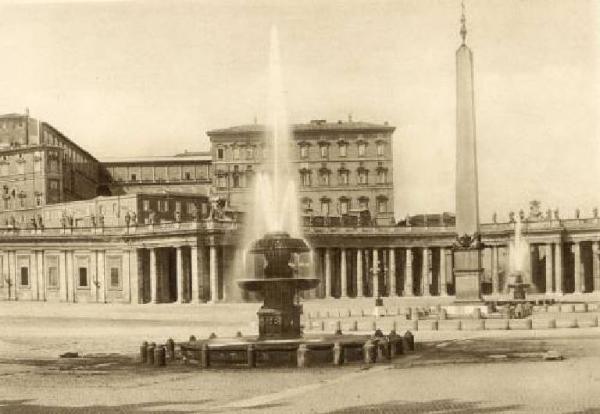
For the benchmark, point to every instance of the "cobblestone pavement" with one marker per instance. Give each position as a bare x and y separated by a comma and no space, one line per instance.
456,372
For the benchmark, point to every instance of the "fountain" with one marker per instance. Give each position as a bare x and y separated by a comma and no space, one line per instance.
274,235
517,289
279,317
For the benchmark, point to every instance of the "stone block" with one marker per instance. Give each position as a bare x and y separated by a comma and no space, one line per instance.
473,324
567,308
402,325
519,324
593,307
496,324
587,322
553,308
581,307
566,323
449,325
543,323
427,325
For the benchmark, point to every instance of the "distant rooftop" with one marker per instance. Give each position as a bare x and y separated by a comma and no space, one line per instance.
314,125
186,156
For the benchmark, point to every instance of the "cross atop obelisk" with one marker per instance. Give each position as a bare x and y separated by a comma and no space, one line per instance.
467,251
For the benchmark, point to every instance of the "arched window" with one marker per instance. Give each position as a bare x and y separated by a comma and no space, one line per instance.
382,204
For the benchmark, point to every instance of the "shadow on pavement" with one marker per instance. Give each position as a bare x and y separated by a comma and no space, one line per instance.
22,407
434,406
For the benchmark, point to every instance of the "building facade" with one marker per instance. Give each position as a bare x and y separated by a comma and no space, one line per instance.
341,168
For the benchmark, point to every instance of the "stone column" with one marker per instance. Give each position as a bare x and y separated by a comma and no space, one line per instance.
153,277
359,274
40,272
425,273
62,270
328,286
596,265
214,274
33,270
576,249
408,273
101,276
71,285
194,271
558,286
443,272
495,276
392,273
549,268
375,275
134,276
343,274
179,273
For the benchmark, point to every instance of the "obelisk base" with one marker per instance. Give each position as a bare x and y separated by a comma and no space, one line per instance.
467,274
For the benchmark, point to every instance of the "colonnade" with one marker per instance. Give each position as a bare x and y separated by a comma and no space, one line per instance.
371,272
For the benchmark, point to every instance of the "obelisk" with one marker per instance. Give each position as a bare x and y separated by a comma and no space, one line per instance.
467,249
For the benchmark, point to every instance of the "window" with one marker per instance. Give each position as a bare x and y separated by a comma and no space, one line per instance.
83,277
146,205
324,177
249,152
363,176
381,176
362,149
305,176
188,176
343,149
24,276
344,177
304,151
163,205
382,205
38,200
236,153
220,153
380,149
178,206
324,150
53,184
363,203
133,177
236,181
115,266
325,207
306,204
222,181
344,206
20,166
191,207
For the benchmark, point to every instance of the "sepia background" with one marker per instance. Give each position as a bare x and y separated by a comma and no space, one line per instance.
149,78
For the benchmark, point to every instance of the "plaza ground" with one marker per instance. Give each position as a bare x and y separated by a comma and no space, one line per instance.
453,371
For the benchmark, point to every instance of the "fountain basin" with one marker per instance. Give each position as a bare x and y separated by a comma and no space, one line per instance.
259,285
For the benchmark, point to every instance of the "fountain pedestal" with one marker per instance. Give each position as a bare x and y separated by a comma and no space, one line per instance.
279,317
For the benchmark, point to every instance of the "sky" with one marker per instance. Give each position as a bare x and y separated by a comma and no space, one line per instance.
151,77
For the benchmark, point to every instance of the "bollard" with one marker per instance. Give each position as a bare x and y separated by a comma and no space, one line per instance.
374,325
338,328
409,341
238,334
204,356
395,342
192,338
369,352
323,326
338,354
349,313
302,356
251,353
394,326
160,356
355,325
476,313
362,312
443,314
150,353
414,314
143,352
409,313
170,349
212,335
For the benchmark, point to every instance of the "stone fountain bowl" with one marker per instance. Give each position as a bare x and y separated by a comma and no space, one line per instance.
278,242
258,285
